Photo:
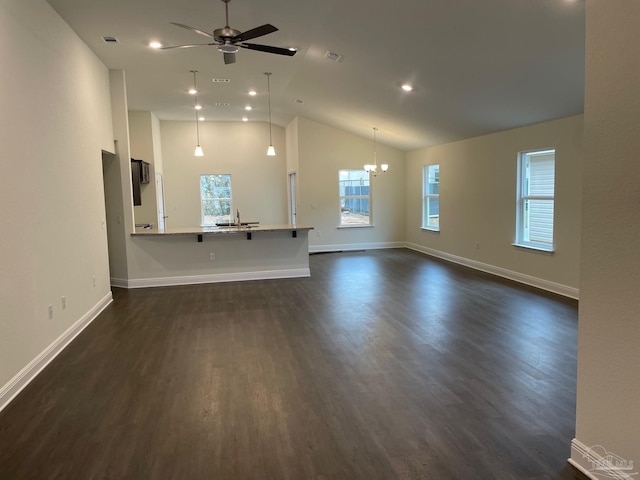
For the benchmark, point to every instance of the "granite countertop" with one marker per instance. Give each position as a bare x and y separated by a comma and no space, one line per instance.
143,231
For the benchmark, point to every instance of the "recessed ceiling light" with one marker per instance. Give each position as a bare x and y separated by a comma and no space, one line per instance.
198,107
253,93
407,87
201,119
193,91
245,119
155,44
248,108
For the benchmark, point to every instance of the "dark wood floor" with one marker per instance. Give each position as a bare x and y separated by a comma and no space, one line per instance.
382,365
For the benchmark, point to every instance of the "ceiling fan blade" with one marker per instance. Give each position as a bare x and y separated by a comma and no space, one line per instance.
255,33
189,45
229,58
199,32
268,49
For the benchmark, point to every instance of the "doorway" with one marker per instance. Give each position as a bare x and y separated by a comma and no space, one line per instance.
114,215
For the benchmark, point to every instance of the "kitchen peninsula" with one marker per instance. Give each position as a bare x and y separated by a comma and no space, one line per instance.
180,256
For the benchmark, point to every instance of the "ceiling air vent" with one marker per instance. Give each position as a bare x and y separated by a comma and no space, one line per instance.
334,57
221,104
221,80
108,39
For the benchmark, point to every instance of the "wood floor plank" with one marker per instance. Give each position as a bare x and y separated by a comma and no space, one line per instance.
381,365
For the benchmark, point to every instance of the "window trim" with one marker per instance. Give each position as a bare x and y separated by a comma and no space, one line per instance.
368,197
202,224
520,202
426,196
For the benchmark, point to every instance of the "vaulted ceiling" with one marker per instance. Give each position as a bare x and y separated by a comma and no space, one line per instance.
477,66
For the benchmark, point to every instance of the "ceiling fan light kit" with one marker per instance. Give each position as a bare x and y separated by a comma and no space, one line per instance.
229,40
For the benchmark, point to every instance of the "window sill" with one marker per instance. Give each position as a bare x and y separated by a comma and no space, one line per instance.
346,227
428,229
533,247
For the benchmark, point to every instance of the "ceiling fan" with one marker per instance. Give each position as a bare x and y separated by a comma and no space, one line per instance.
229,40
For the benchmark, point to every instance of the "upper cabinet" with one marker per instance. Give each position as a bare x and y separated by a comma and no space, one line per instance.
139,176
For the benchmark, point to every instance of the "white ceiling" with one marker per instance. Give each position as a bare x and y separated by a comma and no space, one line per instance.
478,66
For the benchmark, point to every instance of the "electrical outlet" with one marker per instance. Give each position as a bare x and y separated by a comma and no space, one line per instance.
212,256
318,233
63,302
477,245
50,312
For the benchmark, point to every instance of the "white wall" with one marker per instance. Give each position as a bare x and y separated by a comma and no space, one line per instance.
258,182
322,152
143,145
53,238
478,203
609,327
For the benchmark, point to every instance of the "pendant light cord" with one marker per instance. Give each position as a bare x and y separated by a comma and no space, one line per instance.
375,148
268,74
195,97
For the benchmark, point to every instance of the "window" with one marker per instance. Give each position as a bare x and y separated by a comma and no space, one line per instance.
355,198
536,183
215,199
431,197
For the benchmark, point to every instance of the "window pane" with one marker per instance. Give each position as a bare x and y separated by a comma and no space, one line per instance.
433,180
215,211
433,212
540,174
538,222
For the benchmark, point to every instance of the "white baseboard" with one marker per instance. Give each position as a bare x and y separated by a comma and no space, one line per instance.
349,247
557,288
599,464
9,391
212,278
119,282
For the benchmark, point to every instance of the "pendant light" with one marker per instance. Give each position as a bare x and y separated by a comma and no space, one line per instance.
373,169
198,151
271,152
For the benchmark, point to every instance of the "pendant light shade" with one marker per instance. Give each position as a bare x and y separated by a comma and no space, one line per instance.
271,152
198,151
